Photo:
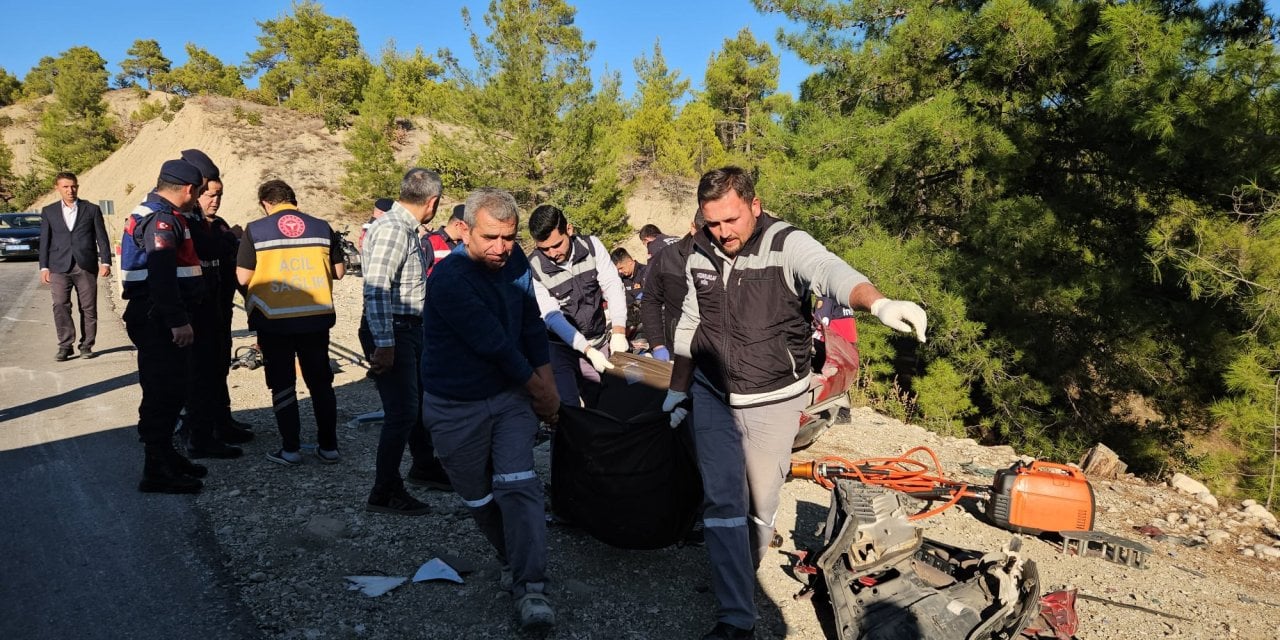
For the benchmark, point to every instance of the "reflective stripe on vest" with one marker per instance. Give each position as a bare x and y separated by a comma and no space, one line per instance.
293,277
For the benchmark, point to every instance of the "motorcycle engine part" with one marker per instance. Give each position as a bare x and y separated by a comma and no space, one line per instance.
247,357
886,581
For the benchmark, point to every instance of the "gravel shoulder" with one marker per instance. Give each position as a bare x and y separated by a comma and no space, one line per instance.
290,535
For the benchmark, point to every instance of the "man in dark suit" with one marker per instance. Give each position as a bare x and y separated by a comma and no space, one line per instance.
74,253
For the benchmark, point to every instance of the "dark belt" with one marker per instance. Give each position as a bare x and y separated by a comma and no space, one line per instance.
412,320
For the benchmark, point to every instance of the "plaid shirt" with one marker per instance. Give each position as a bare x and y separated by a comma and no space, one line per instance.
394,275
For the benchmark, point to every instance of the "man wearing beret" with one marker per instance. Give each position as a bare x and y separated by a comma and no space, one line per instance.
162,285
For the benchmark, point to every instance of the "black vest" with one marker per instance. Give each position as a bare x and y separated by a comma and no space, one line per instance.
575,287
754,335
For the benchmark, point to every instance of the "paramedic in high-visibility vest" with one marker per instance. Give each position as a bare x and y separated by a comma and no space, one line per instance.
162,284
287,263
742,349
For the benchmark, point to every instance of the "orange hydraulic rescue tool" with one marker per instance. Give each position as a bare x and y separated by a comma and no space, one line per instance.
1027,498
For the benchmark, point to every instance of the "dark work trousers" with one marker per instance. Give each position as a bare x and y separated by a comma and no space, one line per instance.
744,456
162,373
575,378
222,399
207,372
86,285
400,389
486,447
312,352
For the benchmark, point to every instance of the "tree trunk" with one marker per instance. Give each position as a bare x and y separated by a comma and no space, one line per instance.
1101,462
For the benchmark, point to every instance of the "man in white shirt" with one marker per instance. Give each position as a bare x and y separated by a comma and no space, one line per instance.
579,274
74,253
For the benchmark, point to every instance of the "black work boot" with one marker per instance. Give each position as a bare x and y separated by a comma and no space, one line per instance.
160,476
203,444
232,433
185,466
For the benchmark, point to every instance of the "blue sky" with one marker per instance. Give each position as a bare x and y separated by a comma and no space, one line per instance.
690,30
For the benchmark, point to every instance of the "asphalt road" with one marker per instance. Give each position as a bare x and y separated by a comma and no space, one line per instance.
83,554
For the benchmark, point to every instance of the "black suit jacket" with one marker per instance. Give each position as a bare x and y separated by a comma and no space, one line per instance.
86,244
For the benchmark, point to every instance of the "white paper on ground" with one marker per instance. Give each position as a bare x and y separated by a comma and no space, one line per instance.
436,569
374,586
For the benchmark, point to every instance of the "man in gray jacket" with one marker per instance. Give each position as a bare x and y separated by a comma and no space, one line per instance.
742,349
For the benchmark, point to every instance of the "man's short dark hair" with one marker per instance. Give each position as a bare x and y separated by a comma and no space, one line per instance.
619,255
717,182
65,175
165,185
545,219
649,232
277,192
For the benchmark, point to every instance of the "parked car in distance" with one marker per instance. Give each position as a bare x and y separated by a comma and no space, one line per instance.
19,235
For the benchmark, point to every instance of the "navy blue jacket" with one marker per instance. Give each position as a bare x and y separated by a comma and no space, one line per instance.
490,337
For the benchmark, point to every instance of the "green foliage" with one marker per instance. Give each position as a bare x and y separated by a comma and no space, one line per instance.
694,147
1052,180
6,174
373,171
25,189
413,81
241,114
738,78
75,131
39,80
944,398
149,111
145,62
203,74
651,131
584,160
532,124
310,61
10,88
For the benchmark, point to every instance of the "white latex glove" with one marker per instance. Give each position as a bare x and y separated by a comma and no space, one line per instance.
901,315
678,416
598,360
673,398
618,343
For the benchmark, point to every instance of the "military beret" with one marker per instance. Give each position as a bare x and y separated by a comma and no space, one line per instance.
458,210
383,204
202,162
180,172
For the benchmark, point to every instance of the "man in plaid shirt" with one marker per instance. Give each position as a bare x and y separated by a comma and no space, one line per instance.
391,335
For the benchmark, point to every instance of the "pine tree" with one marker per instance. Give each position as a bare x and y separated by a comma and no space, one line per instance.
414,81
310,61
10,88
738,78
145,62
373,171
694,149
203,74
39,80
75,131
651,127
532,124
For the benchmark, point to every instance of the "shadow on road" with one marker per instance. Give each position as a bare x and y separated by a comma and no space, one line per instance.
88,556
66,397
